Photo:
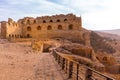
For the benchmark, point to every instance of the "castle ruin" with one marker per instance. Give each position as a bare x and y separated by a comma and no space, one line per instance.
45,27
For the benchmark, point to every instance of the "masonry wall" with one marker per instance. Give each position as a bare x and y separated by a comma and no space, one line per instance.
3,30
13,29
66,26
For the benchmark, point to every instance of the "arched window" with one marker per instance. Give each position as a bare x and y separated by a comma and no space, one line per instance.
39,28
58,20
12,36
51,20
34,21
28,21
28,36
44,21
59,27
70,27
49,27
9,36
28,28
65,19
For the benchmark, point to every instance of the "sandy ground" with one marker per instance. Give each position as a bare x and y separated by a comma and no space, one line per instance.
19,62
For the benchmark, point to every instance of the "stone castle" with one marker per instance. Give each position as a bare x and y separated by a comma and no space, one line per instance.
64,26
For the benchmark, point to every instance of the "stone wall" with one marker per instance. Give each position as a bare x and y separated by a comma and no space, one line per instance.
13,29
3,30
50,27
66,26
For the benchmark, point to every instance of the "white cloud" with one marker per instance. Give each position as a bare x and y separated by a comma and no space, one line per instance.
107,18
96,14
18,9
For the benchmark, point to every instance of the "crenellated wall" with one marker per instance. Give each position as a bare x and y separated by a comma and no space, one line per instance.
67,26
13,29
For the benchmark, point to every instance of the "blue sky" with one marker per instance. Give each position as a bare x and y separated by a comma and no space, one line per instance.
96,14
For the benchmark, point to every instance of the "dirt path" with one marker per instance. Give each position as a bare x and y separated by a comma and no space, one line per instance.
49,70
18,62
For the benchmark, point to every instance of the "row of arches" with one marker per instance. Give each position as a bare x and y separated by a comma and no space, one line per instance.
19,36
44,21
49,27
58,20
15,36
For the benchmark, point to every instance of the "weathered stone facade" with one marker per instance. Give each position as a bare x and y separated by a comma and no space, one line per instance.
65,26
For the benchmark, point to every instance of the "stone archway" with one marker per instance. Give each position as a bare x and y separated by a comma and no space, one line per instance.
28,36
46,47
9,36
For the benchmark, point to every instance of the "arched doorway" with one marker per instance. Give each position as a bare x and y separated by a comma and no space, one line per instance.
9,36
28,28
59,27
39,28
28,36
49,28
70,27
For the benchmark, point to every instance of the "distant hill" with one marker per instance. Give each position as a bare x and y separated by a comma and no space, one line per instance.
100,43
108,35
115,31
112,38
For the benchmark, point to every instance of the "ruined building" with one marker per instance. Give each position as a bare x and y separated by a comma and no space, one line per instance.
64,26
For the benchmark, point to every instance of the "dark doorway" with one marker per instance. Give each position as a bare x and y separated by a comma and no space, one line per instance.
46,47
28,36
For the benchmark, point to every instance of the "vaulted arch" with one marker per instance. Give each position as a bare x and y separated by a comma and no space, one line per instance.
49,28
28,28
34,21
9,36
51,20
28,36
28,21
12,36
65,19
58,20
44,21
59,27
70,27
39,28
